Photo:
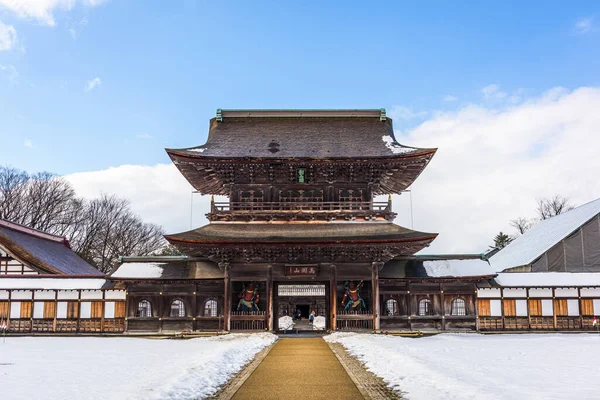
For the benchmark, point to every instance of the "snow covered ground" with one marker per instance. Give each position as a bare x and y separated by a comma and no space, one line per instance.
122,368
470,366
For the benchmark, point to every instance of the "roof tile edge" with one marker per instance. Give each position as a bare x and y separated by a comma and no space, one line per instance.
291,113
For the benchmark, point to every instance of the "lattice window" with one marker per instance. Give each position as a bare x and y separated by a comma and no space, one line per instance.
144,309
301,290
177,309
458,307
425,307
301,196
210,308
391,307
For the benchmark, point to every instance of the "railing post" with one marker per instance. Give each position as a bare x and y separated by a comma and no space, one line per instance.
212,204
389,206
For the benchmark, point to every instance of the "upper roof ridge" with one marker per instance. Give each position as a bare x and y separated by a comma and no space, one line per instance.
34,232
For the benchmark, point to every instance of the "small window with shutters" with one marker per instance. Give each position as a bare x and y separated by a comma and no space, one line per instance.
49,309
4,309
587,307
458,307
535,307
561,307
26,309
96,309
483,307
72,309
510,308
119,309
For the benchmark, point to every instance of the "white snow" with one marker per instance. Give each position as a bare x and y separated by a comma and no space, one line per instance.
395,147
51,283
548,279
286,323
468,267
139,270
122,368
472,366
197,150
319,323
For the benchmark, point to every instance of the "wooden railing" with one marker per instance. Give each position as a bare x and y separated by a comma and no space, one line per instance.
335,206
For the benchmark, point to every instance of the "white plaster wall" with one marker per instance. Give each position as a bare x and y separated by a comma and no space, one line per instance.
109,309
566,292
540,292
68,294
38,309
21,295
590,292
547,308
15,309
91,294
44,294
573,307
61,309
515,292
86,310
488,293
114,294
521,308
495,308
3,294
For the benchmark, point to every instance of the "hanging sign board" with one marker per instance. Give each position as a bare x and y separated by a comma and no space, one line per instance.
301,270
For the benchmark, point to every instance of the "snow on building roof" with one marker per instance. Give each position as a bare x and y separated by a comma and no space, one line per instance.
547,279
457,268
531,245
52,283
147,270
179,267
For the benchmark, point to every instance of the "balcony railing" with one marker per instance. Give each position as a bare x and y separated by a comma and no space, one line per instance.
331,206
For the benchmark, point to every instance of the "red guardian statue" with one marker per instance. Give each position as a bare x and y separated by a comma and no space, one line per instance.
249,298
352,300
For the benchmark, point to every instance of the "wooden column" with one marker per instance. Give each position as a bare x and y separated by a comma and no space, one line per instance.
126,312
409,305
227,295
443,307
580,310
553,308
333,296
56,310
375,267
502,306
270,316
528,312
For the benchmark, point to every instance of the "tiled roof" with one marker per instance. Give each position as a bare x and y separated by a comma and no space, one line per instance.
47,253
300,137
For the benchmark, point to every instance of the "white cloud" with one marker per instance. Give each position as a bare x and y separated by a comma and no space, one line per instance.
28,143
144,136
491,167
42,11
8,37
91,84
11,72
493,92
584,25
449,98
404,113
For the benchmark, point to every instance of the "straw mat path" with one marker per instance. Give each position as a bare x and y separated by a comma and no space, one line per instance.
302,368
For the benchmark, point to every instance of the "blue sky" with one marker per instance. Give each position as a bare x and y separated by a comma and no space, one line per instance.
163,68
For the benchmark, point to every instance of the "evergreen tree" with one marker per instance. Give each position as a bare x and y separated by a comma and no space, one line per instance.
501,240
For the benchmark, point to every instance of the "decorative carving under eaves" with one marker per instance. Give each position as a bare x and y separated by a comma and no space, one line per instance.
299,253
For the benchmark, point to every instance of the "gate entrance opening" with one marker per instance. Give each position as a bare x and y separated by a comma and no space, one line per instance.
303,298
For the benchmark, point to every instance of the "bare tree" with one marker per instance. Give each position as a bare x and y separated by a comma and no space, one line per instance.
99,230
522,225
551,206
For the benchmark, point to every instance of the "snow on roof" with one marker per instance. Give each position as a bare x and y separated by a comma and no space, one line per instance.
457,268
147,270
548,279
51,283
528,247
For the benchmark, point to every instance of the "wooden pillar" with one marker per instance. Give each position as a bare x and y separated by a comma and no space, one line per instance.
375,267
554,308
528,312
161,308
333,296
476,307
502,306
103,311
443,307
195,307
270,316
409,305
126,312
78,310
580,310
227,295
55,310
